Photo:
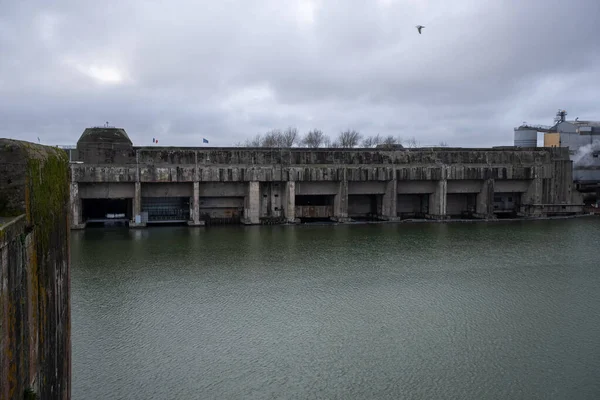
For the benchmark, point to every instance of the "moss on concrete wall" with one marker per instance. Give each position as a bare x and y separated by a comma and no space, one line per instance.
35,347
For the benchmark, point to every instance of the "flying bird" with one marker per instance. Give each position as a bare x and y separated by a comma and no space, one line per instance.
419,27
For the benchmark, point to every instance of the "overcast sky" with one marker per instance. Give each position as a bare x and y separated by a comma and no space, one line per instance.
226,70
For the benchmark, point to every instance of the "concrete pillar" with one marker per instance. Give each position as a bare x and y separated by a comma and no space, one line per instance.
137,200
195,207
252,204
340,201
289,199
137,207
532,198
484,207
389,201
277,196
437,200
75,207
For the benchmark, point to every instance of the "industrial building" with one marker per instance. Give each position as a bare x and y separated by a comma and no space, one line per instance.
112,180
581,137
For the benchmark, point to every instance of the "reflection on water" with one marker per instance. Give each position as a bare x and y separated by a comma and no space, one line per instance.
470,311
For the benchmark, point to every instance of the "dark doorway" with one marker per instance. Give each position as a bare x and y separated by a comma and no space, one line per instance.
100,210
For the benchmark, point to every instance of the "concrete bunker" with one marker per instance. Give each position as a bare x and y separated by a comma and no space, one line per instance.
258,186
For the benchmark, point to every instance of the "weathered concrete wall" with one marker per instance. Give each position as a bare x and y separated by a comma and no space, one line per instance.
167,190
366,187
105,145
464,186
271,195
35,345
511,186
416,187
92,152
227,173
219,189
316,188
106,190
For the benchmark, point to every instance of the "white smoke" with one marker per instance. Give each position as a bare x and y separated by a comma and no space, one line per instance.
585,155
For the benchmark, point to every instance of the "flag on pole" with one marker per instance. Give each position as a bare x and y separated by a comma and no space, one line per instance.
39,139
153,140
204,140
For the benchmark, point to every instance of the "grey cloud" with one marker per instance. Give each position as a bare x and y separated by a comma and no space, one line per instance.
228,70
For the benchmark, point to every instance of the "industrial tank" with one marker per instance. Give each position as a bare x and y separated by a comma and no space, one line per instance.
525,137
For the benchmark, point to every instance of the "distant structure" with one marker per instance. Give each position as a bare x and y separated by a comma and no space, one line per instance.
581,137
525,137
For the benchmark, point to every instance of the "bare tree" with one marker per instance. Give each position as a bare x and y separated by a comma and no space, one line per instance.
313,139
371,141
289,137
391,142
257,141
412,143
273,138
349,138
443,144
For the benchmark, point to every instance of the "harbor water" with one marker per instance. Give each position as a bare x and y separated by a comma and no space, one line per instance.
505,310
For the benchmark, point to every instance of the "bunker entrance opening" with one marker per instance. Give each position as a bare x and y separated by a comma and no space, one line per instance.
412,206
221,210
461,205
106,210
364,207
507,205
166,209
312,208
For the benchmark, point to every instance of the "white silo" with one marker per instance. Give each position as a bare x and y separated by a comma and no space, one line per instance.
525,137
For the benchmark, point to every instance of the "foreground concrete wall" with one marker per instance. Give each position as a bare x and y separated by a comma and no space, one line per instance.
436,183
35,346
